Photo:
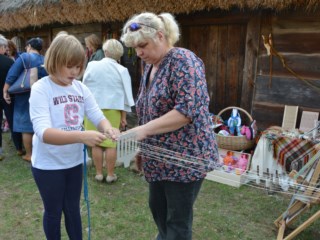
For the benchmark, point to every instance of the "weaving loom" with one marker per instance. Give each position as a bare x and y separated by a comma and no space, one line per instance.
307,195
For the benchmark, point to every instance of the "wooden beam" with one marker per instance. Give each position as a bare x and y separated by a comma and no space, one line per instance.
303,226
250,62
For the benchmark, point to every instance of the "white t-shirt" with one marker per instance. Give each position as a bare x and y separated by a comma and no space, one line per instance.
64,108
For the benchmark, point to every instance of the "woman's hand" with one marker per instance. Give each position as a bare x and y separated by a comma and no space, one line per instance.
112,133
123,124
6,97
123,121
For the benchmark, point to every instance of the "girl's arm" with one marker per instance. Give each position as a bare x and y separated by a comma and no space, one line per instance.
59,137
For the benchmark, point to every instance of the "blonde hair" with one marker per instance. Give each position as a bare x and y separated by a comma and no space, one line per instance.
113,49
65,50
150,24
94,41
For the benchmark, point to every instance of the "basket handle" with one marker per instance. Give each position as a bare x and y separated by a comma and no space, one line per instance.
230,108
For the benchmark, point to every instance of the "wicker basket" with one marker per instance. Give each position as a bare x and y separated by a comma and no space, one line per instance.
235,142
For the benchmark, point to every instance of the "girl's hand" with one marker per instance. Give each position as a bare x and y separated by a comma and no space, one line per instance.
93,138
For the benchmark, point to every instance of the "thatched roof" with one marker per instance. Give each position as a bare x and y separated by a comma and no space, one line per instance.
19,14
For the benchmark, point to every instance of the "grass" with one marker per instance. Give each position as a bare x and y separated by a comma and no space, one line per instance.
119,211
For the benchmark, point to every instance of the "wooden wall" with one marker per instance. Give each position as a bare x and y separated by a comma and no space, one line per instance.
296,38
237,65
220,40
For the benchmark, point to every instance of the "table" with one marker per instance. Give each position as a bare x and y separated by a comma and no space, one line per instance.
278,153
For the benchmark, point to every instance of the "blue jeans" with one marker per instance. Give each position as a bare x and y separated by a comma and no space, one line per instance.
171,205
60,191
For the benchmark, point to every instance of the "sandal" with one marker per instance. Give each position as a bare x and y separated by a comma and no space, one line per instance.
26,158
111,179
20,152
99,177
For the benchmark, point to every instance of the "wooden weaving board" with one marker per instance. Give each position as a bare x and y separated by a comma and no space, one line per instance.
127,148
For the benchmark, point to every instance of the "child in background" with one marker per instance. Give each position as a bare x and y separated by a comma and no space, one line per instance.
58,104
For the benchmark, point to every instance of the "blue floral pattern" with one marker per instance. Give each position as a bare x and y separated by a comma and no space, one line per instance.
186,154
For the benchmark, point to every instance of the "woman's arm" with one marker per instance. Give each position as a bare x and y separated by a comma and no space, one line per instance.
6,95
13,74
15,70
169,122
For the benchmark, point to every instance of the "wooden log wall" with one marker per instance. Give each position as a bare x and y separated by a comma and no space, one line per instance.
296,38
238,67
219,39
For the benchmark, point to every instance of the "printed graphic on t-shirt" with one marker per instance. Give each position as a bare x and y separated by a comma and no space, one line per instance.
71,111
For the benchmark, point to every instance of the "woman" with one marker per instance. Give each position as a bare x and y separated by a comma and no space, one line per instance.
21,118
93,45
12,51
110,84
178,146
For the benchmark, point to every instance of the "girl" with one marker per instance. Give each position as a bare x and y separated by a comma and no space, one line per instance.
58,104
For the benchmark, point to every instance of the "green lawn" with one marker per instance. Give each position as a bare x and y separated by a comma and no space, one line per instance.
119,211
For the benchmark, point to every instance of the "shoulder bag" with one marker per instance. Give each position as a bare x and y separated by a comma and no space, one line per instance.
25,80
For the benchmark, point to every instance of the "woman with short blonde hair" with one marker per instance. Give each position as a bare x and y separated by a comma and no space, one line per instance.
110,84
113,49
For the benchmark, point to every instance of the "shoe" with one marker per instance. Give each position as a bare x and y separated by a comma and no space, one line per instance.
99,177
20,152
111,179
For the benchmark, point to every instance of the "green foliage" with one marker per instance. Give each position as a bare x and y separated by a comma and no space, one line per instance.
120,210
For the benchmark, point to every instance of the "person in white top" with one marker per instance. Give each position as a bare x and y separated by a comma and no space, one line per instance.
58,104
110,83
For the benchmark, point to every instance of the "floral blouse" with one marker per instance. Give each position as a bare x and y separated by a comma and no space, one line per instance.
186,154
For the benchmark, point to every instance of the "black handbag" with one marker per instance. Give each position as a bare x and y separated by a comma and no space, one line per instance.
25,80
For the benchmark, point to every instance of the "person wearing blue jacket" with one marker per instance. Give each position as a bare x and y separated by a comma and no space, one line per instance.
21,117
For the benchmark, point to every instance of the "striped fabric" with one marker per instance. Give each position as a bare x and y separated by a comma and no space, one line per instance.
292,153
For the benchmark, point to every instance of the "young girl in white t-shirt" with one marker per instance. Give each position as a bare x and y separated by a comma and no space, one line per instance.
58,104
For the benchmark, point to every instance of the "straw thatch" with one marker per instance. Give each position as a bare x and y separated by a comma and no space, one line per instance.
19,14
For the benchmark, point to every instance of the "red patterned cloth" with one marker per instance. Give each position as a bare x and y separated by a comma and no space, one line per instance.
292,153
